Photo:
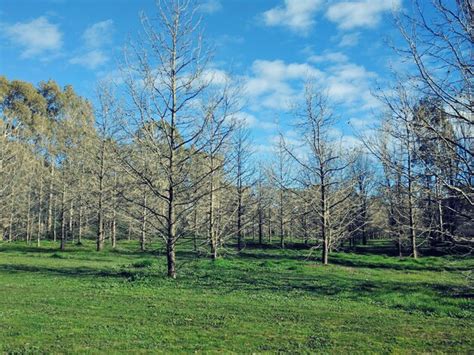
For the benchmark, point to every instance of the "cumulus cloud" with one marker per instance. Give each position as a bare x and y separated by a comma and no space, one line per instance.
252,121
98,34
36,37
95,37
272,82
350,83
298,15
278,85
91,59
245,118
215,76
328,56
362,13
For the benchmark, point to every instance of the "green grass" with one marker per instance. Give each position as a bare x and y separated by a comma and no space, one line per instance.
265,300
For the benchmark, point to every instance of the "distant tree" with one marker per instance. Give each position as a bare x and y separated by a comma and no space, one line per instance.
242,177
323,166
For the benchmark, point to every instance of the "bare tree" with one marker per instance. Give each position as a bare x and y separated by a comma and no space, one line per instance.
323,166
106,114
281,176
440,46
242,177
166,79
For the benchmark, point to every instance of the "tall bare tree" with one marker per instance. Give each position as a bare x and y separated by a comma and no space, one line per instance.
324,166
166,78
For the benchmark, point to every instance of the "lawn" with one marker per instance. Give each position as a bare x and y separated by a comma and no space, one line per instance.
264,300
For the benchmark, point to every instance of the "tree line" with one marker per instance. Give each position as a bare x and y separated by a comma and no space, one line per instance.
164,156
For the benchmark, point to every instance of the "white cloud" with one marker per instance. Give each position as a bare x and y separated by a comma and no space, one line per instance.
245,118
336,57
277,85
253,122
272,85
36,37
361,13
98,34
95,37
349,142
350,40
350,83
298,15
215,76
210,6
91,59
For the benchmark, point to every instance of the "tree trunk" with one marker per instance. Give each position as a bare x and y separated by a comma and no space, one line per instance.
171,258
79,234
195,230
28,217
239,216
171,239
40,202
49,223
323,220
100,207
143,228
282,232
212,232
54,222
270,225
411,217
113,234
63,219
71,221
10,223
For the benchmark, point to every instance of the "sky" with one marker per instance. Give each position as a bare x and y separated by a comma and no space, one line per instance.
272,46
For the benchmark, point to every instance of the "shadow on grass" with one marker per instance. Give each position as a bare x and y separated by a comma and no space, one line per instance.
269,252
66,271
74,249
425,297
357,262
16,248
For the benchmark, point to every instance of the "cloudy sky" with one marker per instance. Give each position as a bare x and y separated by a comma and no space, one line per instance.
272,45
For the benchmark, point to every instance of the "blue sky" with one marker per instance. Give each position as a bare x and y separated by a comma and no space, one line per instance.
272,45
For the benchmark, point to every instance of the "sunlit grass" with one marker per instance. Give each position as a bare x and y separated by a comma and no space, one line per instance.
261,300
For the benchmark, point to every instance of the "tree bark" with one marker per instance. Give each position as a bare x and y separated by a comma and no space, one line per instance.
143,226
63,219
100,212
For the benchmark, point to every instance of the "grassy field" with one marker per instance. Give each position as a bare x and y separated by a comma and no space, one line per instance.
265,300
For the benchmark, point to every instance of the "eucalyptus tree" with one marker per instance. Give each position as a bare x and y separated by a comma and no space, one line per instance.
23,126
54,98
76,129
